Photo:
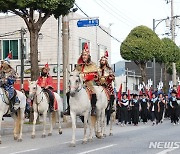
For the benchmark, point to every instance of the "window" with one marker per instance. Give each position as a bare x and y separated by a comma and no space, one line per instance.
14,46
149,64
82,41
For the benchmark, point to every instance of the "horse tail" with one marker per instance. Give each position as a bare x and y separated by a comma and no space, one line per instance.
53,117
93,120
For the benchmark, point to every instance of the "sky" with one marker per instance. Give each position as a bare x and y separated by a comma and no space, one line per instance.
124,15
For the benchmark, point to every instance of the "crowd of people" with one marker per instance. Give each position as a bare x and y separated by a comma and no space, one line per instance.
142,108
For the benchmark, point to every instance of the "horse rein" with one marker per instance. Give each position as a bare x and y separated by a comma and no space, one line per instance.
35,95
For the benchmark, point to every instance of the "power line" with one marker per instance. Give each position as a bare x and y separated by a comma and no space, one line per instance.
99,26
117,13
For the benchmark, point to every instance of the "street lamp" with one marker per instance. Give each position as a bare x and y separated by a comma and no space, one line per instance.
154,60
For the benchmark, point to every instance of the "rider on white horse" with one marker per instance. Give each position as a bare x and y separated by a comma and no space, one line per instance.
45,81
8,77
106,77
88,71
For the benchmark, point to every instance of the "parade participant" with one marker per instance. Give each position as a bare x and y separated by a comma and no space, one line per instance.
89,73
45,81
161,104
154,108
123,109
144,108
135,110
174,107
106,77
8,77
130,109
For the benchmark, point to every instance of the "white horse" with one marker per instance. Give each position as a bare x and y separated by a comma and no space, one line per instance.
41,106
80,105
18,118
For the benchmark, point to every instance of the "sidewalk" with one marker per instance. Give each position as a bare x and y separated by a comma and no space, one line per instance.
8,125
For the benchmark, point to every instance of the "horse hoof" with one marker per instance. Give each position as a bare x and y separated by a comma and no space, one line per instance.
104,135
43,136
72,145
110,134
90,140
60,132
50,134
15,137
19,140
32,136
84,142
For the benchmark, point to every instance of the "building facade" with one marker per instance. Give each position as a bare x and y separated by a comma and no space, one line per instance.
10,41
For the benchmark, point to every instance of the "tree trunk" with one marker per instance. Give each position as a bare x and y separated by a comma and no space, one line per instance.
165,79
143,72
34,54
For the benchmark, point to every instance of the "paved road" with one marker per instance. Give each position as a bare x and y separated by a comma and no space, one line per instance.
126,140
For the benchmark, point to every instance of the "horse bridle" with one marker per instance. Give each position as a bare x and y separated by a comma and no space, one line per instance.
35,95
77,89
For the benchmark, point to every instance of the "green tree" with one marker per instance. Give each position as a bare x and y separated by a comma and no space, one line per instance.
35,13
140,46
169,54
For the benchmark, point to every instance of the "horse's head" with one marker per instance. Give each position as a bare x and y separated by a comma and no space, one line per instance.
32,89
75,83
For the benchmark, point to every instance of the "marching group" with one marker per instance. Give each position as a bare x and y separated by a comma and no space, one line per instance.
141,108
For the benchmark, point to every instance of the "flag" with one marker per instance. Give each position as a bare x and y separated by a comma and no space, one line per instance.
178,92
120,92
10,55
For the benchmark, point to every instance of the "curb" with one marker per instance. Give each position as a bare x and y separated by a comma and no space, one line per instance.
27,128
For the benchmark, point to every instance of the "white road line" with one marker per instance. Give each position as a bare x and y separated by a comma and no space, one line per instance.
70,141
97,149
24,151
3,147
167,150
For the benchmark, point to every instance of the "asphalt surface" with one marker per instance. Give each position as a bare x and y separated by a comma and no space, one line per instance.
126,140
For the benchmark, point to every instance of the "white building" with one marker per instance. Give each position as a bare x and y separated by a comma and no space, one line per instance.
98,40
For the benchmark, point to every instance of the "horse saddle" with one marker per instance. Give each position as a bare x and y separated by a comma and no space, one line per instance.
5,99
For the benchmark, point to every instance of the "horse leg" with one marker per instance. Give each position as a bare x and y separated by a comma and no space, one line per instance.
20,121
73,118
103,128
51,123
59,121
111,121
1,115
98,132
34,124
90,128
44,124
85,128
15,126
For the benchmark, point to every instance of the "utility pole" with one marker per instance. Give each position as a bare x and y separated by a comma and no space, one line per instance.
65,35
23,31
154,61
173,38
58,56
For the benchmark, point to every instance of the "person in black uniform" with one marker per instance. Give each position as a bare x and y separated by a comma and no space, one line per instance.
144,108
154,108
174,107
135,110
130,109
123,109
161,103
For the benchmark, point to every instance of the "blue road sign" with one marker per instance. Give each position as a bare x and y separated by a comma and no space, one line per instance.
88,23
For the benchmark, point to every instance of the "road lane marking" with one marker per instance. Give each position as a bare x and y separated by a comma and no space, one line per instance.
24,151
97,149
3,147
167,150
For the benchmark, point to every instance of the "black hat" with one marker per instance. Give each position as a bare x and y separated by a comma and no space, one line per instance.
124,93
173,91
135,95
143,94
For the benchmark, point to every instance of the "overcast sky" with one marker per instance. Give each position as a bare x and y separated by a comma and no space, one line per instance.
127,14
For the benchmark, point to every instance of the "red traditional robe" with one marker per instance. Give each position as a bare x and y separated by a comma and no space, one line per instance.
45,81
